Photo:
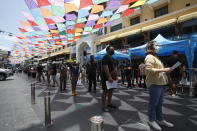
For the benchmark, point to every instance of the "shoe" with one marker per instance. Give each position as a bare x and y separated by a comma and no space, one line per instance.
154,125
74,94
112,106
165,123
173,95
105,109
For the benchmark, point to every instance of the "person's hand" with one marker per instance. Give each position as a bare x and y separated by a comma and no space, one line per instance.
110,79
167,70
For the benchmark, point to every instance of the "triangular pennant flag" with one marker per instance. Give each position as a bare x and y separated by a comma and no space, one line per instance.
79,25
43,3
128,12
97,8
138,3
70,7
31,4
70,31
32,23
22,30
98,26
46,12
126,2
85,3
24,23
102,20
49,21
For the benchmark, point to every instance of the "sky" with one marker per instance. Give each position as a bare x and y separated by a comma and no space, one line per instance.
10,15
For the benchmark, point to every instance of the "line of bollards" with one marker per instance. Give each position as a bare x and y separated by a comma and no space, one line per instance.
47,109
96,121
47,104
33,97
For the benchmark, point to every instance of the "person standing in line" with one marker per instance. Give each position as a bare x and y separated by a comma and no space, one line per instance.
108,74
156,80
54,74
175,75
142,75
48,74
63,76
135,73
74,74
91,72
83,74
122,71
128,73
40,72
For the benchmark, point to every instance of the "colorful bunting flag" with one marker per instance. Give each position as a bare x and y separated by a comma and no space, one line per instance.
85,3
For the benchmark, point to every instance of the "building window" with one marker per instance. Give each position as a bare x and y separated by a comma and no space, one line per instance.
63,47
116,27
135,20
161,11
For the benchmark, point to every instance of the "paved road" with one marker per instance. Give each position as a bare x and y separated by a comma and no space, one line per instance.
72,113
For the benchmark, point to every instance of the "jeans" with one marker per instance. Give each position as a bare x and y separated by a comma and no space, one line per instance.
156,93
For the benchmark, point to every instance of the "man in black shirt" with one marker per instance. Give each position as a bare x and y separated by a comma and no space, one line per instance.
40,72
175,75
53,74
63,76
108,74
91,73
122,71
128,73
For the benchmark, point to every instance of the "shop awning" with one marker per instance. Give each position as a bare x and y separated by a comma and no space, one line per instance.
129,33
158,25
108,38
187,17
64,51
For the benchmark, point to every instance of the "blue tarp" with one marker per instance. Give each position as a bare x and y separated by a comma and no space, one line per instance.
117,55
166,47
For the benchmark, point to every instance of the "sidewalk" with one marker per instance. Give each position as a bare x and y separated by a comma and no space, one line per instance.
72,113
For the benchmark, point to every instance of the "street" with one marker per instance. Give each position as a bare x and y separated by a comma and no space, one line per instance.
73,113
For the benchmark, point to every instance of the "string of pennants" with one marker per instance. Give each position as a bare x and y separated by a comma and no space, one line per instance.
52,23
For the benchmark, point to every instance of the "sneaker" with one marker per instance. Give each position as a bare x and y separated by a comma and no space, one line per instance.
74,94
105,109
154,125
165,123
173,95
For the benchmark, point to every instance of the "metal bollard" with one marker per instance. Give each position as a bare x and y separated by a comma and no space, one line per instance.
47,108
97,123
33,97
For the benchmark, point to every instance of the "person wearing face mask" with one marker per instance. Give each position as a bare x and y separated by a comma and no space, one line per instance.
156,80
74,73
91,74
108,74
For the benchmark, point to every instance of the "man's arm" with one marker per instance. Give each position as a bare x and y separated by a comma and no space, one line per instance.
106,69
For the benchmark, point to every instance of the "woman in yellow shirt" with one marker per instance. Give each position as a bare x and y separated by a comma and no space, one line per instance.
156,80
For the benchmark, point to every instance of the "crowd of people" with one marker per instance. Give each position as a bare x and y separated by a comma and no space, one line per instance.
151,74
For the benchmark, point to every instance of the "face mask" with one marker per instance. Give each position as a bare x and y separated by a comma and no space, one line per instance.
156,49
